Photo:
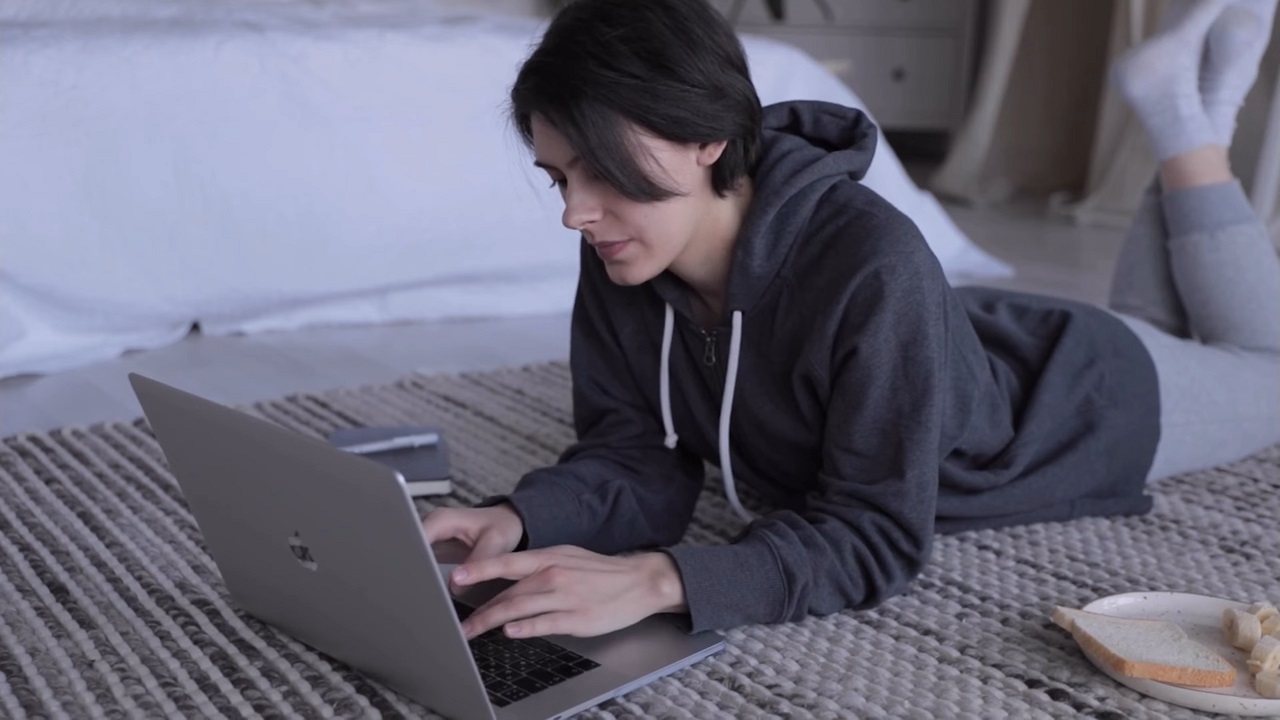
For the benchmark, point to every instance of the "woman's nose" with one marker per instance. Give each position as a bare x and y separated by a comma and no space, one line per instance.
581,208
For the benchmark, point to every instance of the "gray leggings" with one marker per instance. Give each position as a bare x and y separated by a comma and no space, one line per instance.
1199,282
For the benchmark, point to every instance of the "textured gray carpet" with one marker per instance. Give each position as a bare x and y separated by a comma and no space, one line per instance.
109,605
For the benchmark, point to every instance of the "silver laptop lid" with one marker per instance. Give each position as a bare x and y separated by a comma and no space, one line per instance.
325,545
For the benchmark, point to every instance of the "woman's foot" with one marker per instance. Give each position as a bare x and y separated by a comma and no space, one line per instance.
1233,51
1161,80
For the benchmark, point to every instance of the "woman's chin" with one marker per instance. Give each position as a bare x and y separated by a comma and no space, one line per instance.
628,273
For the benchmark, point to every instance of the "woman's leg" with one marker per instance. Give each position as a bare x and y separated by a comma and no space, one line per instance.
1223,263
1142,282
1160,78
1216,342
1220,389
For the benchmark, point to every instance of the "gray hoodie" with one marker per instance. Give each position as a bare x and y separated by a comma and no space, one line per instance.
869,403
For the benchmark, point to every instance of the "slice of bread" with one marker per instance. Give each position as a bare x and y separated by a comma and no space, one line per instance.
1152,649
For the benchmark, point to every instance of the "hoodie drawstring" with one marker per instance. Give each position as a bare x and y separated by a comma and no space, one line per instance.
726,406
664,381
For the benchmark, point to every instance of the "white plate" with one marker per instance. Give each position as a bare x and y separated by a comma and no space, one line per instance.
1201,617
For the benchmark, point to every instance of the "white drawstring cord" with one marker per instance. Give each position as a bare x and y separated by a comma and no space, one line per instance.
726,409
664,380
726,406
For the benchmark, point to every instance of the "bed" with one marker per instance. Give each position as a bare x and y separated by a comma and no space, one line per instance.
277,164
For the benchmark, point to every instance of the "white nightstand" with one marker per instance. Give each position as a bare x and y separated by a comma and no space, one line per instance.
909,60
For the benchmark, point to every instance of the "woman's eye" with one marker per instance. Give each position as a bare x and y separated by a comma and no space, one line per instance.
558,183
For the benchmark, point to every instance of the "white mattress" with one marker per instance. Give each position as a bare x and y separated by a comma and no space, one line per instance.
270,165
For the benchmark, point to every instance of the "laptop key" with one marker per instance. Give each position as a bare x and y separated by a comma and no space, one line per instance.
506,673
530,684
515,694
528,653
495,685
547,676
497,700
523,666
568,670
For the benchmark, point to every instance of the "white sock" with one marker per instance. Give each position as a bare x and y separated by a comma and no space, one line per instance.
1233,50
1161,80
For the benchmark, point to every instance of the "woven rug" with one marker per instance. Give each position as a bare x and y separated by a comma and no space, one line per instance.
110,606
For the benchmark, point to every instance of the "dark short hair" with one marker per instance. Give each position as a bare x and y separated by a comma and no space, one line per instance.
674,68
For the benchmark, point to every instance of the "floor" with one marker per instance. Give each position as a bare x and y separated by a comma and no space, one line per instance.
1050,256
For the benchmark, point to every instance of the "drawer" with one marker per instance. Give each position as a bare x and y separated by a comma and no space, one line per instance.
908,82
902,14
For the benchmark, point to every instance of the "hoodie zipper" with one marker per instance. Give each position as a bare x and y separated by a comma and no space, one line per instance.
708,348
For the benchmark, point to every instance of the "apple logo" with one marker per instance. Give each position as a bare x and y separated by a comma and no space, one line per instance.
301,552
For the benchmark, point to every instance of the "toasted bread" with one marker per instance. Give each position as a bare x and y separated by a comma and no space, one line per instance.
1151,649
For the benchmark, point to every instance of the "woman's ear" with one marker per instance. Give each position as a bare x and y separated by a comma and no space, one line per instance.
709,153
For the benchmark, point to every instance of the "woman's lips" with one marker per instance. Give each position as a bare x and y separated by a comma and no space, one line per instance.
610,250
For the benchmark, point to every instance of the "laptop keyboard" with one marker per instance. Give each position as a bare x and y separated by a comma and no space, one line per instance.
513,669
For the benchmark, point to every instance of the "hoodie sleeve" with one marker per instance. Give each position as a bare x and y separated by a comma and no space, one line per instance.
618,488
867,530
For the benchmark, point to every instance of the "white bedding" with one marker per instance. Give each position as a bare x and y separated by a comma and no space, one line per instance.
271,165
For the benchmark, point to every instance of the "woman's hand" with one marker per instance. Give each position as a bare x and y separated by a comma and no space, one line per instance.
486,532
570,591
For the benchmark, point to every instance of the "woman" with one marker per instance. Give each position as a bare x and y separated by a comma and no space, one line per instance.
743,299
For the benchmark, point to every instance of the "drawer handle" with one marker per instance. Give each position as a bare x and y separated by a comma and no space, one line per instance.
898,74
778,10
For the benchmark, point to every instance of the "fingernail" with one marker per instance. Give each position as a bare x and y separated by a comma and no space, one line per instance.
466,629
459,574
515,630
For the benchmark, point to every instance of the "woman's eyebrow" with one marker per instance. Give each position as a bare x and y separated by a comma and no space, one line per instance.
568,166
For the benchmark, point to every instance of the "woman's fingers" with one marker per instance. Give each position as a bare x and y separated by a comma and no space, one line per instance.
486,532
511,566
448,524
511,606
488,545
568,591
552,623
520,565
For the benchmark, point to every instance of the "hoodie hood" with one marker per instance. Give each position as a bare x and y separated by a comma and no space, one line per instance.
807,146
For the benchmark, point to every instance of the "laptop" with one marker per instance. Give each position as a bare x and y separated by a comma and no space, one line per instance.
328,547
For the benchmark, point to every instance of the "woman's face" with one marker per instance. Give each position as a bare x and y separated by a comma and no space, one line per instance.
637,241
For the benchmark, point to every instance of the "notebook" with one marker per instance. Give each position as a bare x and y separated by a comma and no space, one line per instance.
425,468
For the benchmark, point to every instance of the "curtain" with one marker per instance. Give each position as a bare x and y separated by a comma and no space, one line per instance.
1093,164
1121,163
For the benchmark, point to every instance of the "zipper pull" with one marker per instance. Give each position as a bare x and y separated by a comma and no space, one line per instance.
709,349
